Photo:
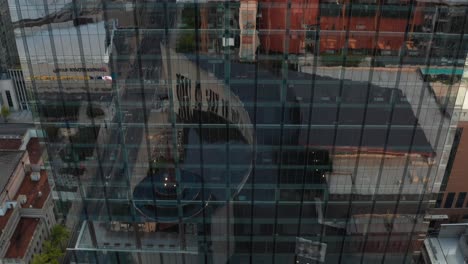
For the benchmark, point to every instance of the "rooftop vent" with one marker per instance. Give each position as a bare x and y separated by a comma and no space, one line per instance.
22,199
35,176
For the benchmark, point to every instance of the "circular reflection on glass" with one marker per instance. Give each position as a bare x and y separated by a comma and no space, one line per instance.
211,158
163,187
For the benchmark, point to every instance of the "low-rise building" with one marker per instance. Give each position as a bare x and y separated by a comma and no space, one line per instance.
26,205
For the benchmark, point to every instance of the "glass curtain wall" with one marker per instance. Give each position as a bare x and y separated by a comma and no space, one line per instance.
273,131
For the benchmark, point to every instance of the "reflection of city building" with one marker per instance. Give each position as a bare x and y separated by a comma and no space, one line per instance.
8,60
13,90
46,56
451,204
380,25
275,15
214,142
248,30
20,88
8,53
7,93
310,250
449,246
52,70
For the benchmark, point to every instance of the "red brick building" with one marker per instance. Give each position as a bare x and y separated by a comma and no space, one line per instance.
333,20
26,206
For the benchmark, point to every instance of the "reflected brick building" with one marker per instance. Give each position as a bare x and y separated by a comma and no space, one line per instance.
360,28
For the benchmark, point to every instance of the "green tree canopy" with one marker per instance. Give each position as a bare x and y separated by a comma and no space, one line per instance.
54,247
5,112
59,235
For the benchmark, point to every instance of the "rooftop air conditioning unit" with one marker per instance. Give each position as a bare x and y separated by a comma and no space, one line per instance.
35,176
22,199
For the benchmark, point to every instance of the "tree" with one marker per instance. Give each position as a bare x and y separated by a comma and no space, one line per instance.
40,259
59,235
51,254
5,112
54,247
186,41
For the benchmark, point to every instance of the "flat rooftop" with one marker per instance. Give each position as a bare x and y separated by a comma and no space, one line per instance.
384,223
334,101
410,86
91,36
34,150
36,191
8,130
33,147
10,143
4,219
9,160
21,238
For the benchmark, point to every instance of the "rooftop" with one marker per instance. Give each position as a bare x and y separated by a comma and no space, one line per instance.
34,150
10,143
91,36
36,191
9,160
411,87
14,130
21,238
384,223
329,101
33,147
4,219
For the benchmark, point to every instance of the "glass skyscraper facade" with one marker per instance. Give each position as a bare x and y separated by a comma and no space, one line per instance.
8,51
268,131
